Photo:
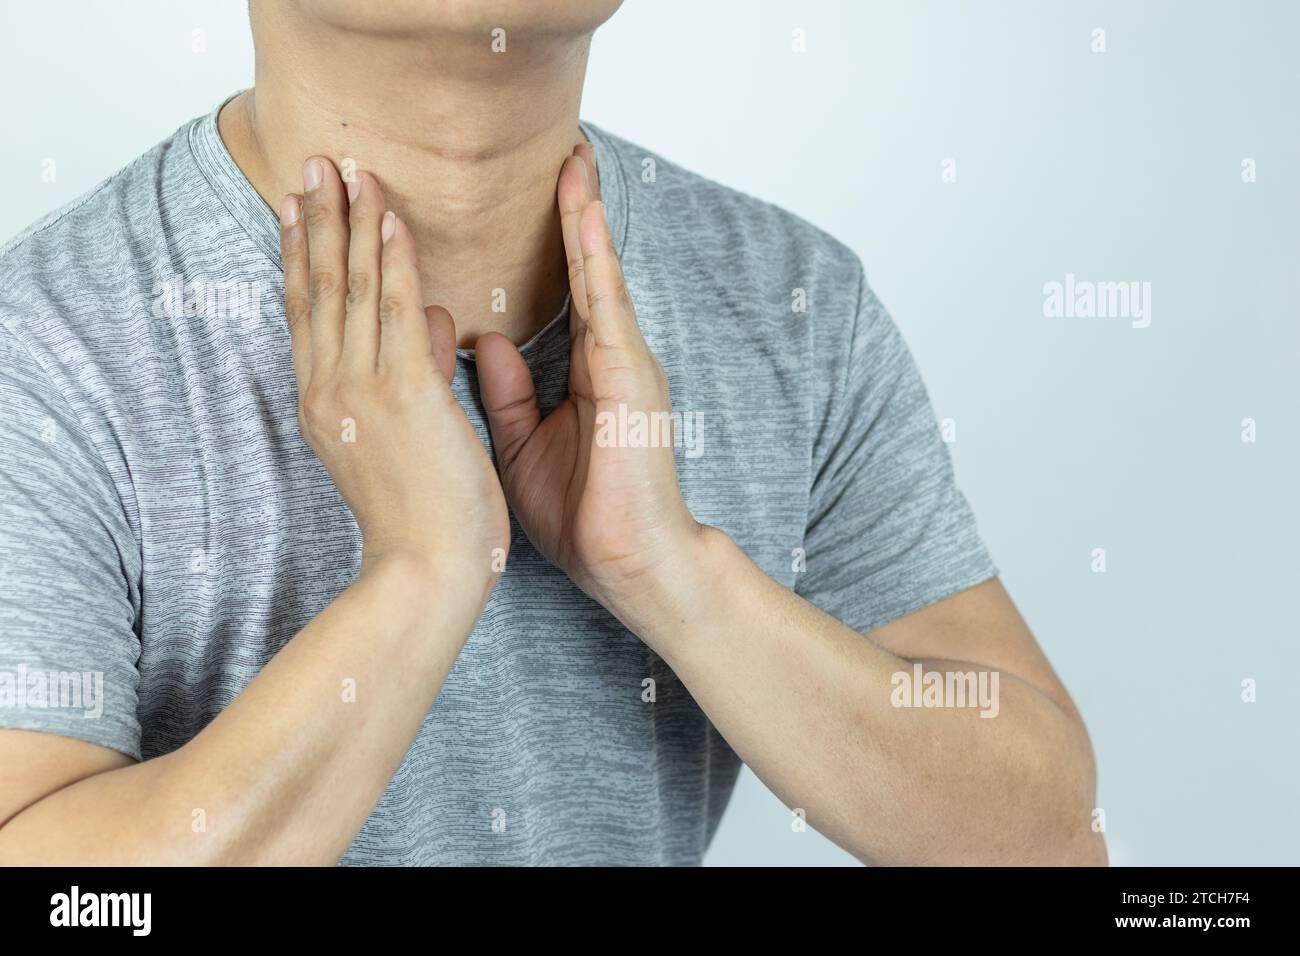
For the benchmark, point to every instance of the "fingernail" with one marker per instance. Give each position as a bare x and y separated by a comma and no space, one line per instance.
311,174
604,215
289,210
586,175
354,187
389,226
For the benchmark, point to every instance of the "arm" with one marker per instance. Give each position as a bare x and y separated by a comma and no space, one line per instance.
804,699
289,772
810,706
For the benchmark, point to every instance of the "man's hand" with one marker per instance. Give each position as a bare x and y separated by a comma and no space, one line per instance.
804,700
610,516
373,369
284,773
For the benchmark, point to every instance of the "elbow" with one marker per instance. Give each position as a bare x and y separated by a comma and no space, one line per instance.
1041,811
1070,829
1074,830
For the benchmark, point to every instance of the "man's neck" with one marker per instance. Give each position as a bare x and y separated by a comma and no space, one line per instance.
466,143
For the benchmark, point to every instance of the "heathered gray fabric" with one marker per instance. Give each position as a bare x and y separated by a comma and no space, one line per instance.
162,522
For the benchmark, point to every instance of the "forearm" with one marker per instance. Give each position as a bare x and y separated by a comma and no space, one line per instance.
807,703
289,772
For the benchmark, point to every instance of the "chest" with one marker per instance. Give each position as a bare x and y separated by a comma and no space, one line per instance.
245,539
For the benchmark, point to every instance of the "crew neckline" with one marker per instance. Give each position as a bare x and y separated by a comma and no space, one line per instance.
262,223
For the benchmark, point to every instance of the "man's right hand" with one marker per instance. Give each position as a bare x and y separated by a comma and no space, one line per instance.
284,774
374,370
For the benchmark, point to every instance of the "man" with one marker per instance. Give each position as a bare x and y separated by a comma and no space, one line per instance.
277,539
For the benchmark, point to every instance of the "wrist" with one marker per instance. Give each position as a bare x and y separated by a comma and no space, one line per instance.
428,584
684,593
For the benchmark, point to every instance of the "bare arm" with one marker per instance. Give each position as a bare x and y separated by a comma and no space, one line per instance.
816,710
289,772
804,699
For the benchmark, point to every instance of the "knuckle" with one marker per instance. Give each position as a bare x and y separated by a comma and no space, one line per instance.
297,308
324,283
317,214
317,412
575,268
615,295
359,286
391,308
305,428
351,391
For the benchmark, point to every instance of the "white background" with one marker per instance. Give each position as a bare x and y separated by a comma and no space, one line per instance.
1073,434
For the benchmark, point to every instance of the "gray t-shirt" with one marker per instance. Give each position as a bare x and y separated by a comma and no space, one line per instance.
164,530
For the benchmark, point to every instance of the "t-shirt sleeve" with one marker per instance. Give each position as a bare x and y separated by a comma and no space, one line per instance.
68,646
888,530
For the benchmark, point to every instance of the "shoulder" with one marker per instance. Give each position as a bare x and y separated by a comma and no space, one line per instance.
91,256
738,246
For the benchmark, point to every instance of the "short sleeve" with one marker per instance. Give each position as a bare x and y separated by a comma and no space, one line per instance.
68,646
888,530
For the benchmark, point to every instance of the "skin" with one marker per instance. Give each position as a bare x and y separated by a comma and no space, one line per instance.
467,151
287,773
291,770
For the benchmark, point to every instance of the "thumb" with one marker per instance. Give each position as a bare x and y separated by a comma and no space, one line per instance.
442,339
506,385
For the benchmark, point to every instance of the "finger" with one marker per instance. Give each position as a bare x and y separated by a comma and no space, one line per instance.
361,312
588,154
297,299
610,315
442,340
325,213
579,374
404,344
506,385
573,193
